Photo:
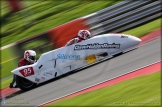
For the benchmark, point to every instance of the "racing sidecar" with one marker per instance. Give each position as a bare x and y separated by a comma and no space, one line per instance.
65,59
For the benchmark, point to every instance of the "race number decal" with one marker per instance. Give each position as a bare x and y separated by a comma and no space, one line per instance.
91,59
27,72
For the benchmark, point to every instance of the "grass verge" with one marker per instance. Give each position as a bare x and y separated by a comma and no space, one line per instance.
140,91
9,61
145,29
5,83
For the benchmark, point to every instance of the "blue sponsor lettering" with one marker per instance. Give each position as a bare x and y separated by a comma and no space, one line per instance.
70,57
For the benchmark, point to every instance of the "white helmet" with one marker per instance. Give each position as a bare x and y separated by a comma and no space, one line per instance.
85,34
30,56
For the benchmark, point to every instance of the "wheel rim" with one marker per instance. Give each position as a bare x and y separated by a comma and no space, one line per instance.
26,83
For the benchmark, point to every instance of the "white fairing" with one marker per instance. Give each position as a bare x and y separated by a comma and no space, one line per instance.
65,59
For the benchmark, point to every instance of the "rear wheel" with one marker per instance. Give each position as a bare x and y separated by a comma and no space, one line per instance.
24,84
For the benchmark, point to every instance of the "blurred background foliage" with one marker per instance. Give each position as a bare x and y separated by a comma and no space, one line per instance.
41,15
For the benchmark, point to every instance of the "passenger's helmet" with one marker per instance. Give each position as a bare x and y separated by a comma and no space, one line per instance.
85,34
30,56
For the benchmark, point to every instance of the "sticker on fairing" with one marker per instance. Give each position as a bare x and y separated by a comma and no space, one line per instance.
91,59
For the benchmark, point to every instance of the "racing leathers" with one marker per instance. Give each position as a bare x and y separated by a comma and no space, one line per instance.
74,40
23,62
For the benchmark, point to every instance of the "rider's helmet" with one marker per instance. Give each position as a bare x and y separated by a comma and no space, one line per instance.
30,56
85,34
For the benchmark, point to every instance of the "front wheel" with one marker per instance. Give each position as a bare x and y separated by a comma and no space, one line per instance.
24,84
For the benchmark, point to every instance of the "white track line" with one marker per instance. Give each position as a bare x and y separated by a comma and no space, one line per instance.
97,83
7,46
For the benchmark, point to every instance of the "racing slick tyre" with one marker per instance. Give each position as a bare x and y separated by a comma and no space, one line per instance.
24,84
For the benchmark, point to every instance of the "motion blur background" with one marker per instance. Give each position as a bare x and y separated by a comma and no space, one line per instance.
44,25
35,24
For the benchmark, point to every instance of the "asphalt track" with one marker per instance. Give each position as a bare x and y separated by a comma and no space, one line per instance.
144,55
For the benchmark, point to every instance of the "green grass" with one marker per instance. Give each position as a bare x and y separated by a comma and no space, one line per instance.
9,61
140,91
5,83
3,7
145,29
